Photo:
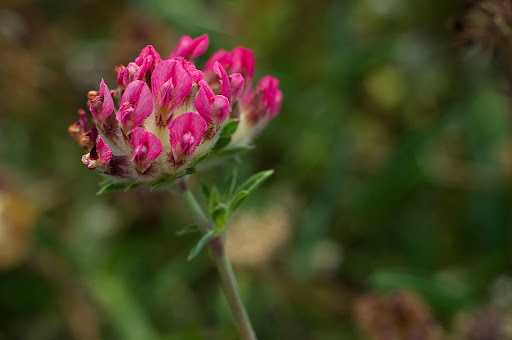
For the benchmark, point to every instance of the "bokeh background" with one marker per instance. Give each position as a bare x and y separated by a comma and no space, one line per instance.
388,217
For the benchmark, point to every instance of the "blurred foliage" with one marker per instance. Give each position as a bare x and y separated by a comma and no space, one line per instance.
393,172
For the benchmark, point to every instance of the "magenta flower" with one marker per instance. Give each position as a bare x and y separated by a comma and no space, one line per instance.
136,105
189,48
213,108
264,103
101,103
272,97
170,84
141,69
186,132
146,147
240,60
99,156
167,115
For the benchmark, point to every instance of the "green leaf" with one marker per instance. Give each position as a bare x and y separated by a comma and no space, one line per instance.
225,135
255,181
200,245
205,189
229,127
237,200
213,200
220,216
167,182
229,186
109,186
192,228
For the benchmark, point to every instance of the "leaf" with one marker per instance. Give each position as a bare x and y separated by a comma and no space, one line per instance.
225,135
167,182
237,200
192,228
213,199
201,243
109,186
229,186
255,181
205,189
220,216
233,151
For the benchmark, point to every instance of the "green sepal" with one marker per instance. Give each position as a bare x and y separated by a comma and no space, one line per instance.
192,228
201,243
220,216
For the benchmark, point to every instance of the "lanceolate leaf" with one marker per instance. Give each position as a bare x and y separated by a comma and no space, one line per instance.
237,200
214,198
225,135
229,186
255,181
192,228
200,245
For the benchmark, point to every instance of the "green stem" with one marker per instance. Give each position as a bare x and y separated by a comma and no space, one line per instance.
224,268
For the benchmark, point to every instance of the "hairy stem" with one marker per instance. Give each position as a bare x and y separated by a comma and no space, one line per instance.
224,268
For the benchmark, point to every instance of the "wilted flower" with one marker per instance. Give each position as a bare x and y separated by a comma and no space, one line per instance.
165,115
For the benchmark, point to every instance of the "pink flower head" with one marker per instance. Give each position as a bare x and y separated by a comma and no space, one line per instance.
136,105
213,108
240,60
101,103
99,156
186,131
146,148
171,84
141,69
189,48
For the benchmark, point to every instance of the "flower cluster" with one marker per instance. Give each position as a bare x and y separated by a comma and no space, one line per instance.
166,114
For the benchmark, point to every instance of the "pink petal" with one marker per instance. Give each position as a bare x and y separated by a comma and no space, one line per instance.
105,152
220,108
181,80
189,48
225,87
148,51
146,148
196,74
278,100
138,93
181,46
180,126
243,62
272,96
154,146
104,104
222,56
202,102
236,81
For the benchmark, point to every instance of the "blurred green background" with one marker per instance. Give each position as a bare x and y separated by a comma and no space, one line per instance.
393,173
